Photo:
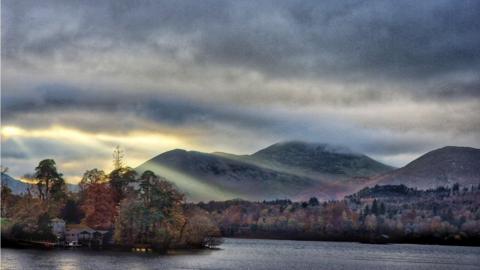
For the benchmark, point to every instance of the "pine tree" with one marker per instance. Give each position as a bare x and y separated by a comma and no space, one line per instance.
367,210
118,155
382,208
50,182
375,207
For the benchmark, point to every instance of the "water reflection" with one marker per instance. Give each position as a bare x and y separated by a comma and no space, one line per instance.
256,254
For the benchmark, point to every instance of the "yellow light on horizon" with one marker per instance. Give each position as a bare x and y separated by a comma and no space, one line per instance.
11,131
141,144
59,132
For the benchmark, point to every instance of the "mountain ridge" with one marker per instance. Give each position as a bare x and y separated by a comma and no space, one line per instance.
443,166
321,158
257,177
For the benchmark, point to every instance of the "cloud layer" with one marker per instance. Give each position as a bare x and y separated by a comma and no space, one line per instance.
391,79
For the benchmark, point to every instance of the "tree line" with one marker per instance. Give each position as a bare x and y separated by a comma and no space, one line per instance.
396,213
137,209
145,209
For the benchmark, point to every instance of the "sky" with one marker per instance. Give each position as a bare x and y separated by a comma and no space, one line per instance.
390,79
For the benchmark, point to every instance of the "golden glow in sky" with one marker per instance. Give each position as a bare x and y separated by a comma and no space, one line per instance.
139,146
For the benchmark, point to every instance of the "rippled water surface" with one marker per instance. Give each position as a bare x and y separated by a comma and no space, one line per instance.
257,254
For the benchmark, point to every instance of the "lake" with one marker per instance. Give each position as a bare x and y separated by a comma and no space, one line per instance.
256,254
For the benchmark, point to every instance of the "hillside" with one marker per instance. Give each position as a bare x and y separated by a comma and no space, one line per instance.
19,187
313,159
440,167
209,176
286,170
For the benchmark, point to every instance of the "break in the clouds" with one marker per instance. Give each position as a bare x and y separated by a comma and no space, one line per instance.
392,79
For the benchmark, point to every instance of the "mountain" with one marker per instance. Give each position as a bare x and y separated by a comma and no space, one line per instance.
19,187
285,170
440,167
313,159
210,176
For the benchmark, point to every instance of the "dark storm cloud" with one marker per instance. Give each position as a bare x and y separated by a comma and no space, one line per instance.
11,151
79,108
457,90
378,44
60,99
403,40
16,149
350,39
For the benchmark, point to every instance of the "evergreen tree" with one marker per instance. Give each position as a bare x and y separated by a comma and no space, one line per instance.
72,213
375,207
313,201
119,180
456,187
118,156
382,208
50,182
366,211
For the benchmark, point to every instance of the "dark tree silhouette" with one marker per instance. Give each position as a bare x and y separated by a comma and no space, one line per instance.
50,182
72,213
375,207
313,201
119,180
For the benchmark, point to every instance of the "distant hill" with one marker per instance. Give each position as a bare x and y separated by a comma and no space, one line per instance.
210,176
19,187
285,170
313,159
440,167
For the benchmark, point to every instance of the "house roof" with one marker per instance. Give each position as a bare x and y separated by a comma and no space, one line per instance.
90,231
57,220
79,228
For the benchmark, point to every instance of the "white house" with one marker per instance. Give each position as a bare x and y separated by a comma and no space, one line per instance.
76,234
58,227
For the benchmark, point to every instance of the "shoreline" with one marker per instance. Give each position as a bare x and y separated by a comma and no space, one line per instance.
460,243
16,244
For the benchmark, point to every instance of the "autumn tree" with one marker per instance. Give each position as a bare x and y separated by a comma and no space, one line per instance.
99,206
152,215
119,180
93,176
32,212
199,229
28,218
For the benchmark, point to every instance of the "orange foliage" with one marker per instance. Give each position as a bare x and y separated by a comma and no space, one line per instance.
99,206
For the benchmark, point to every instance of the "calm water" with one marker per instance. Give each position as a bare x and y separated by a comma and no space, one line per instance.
257,254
